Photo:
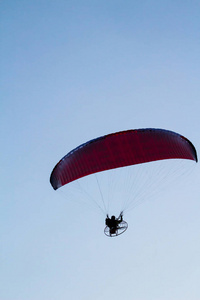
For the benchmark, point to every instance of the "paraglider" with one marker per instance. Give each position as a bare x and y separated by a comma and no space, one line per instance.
117,150
115,226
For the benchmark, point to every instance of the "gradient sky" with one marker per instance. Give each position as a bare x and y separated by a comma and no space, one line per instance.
72,71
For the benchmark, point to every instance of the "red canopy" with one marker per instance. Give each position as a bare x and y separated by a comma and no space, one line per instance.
121,149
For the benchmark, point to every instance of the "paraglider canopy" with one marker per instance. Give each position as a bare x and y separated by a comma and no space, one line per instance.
121,149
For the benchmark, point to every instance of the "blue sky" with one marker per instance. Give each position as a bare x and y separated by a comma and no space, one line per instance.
72,71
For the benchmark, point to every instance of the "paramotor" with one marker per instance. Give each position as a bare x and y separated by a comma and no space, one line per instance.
121,149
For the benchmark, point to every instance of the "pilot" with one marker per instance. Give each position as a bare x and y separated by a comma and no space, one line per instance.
113,222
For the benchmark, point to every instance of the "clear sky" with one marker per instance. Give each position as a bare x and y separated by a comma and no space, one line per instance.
72,71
